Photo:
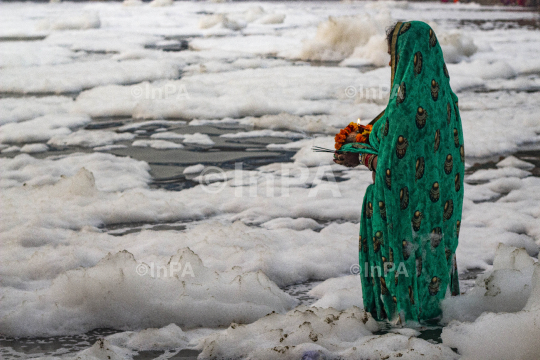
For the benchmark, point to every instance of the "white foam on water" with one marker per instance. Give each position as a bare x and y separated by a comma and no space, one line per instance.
211,96
193,169
294,224
313,333
506,311
74,77
192,296
337,38
89,138
168,337
111,173
339,293
42,128
158,3
263,133
214,66
88,20
24,53
505,289
276,225
198,139
324,124
514,162
27,108
34,148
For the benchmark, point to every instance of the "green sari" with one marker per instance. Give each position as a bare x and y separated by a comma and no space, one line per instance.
411,215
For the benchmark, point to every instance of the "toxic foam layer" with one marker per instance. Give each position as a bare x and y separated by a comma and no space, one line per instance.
20,109
312,333
361,40
119,292
339,293
513,290
505,289
111,173
42,128
337,38
216,96
74,77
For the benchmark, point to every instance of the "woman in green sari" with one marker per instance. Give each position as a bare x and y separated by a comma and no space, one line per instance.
411,215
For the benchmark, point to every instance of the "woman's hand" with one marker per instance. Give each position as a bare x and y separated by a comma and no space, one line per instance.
346,159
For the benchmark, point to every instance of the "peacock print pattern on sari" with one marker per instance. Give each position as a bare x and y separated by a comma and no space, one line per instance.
411,215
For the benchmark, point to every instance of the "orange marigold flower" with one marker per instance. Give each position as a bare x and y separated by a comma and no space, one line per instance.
361,138
352,127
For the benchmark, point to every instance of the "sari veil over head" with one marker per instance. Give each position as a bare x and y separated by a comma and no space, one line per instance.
411,215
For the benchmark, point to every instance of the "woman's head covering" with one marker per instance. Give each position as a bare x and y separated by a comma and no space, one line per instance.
418,67
417,64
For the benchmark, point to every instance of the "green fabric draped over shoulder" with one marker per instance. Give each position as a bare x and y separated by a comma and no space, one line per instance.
411,215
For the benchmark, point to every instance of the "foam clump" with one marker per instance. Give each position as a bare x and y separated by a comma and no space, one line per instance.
505,289
339,293
361,40
159,3
284,121
121,293
88,20
277,334
240,20
209,21
502,335
316,333
337,38
198,139
263,133
501,172
34,148
111,173
77,76
103,349
42,128
509,257
374,52
294,224
272,19
456,46
168,337
384,5
89,138
132,2
21,109
514,162
193,169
